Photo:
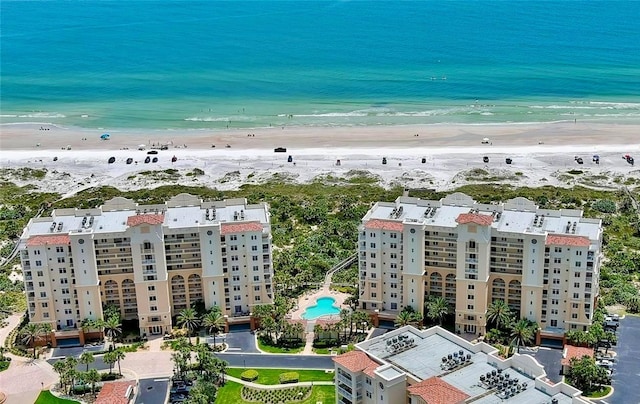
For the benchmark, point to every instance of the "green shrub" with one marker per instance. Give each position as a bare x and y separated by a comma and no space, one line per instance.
105,377
249,375
604,206
289,377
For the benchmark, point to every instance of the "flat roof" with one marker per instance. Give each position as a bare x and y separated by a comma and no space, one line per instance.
421,353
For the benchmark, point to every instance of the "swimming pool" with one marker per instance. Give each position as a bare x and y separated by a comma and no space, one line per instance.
323,307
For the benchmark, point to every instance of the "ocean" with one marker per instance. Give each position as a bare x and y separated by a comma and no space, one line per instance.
162,64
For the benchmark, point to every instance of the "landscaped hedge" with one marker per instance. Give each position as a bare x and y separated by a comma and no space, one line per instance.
105,377
249,375
289,377
326,343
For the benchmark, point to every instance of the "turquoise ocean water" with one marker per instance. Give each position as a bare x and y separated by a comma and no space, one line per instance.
214,64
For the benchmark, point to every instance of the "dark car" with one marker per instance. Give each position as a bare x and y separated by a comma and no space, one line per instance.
280,150
55,159
112,160
485,159
290,159
129,160
152,152
148,159
508,161
424,160
155,160
384,160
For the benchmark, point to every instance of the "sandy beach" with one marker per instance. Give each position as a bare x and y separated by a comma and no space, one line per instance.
429,156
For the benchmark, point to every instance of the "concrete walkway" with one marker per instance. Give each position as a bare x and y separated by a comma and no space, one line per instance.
277,386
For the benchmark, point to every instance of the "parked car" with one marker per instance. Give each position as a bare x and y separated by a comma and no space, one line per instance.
129,160
485,159
152,152
112,160
384,160
508,160
148,159
155,160
280,150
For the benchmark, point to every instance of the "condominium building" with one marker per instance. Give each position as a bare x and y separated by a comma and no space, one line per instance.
151,261
435,366
544,263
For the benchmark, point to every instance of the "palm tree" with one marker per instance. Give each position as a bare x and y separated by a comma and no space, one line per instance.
60,367
214,322
499,313
92,377
110,358
112,327
86,358
70,372
189,319
119,355
404,318
437,308
361,319
30,334
269,326
522,333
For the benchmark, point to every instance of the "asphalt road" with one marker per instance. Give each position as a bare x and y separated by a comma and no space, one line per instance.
626,371
551,359
152,391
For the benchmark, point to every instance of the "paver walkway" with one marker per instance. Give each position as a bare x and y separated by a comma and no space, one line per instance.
278,386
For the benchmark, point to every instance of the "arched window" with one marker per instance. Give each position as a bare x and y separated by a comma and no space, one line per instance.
112,293
498,291
129,299
515,293
195,288
178,293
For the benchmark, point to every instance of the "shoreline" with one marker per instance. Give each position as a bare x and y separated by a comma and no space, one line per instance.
442,158
51,137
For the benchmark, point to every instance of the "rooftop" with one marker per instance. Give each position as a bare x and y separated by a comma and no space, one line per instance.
443,363
355,361
518,215
571,352
116,392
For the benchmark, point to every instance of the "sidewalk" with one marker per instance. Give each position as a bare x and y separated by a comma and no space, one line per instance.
277,386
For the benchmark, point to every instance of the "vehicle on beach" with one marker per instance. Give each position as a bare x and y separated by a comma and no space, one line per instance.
129,160
174,159
290,159
384,160
155,160
280,150
55,158
486,140
424,160
164,147
152,152
148,159
628,158
596,159
578,159
508,160
485,159
112,160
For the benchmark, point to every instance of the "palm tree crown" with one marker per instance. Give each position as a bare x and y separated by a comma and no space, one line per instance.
112,327
522,332
189,319
437,308
499,313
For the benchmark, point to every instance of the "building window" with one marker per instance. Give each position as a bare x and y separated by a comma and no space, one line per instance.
470,297
256,288
45,315
60,260
574,315
470,287
578,264
469,307
254,248
372,245
151,288
152,298
233,238
554,323
576,295
577,274
41,284
43,294
153,308
256,278
576,284
45,305
38,263
256,298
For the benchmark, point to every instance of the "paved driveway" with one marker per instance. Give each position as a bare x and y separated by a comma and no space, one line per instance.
626,371
152,391
278,361
550,358
241,342
75,351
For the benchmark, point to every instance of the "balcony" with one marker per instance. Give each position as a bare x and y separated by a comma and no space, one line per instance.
344,393
342,378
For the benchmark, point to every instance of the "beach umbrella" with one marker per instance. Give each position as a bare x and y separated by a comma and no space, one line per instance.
105,136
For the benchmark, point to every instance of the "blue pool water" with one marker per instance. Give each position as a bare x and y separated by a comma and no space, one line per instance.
323,307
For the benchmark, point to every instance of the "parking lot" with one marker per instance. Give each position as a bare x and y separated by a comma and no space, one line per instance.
626,371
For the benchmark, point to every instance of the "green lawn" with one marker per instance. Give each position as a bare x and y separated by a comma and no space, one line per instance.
276,349
271,376
599,393
325,351
46,397
4,365
230,394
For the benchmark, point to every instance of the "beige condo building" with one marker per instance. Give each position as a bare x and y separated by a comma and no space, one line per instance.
151,261
544,263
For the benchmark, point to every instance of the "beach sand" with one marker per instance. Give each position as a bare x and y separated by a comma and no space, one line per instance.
542,154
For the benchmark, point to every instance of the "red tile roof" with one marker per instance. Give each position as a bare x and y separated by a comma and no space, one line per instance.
436,391
114,393
383,225
355,361
240,227
145,219
476,218
571,352
562,239
45,240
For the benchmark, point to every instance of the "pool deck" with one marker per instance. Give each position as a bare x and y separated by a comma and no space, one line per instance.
309,299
